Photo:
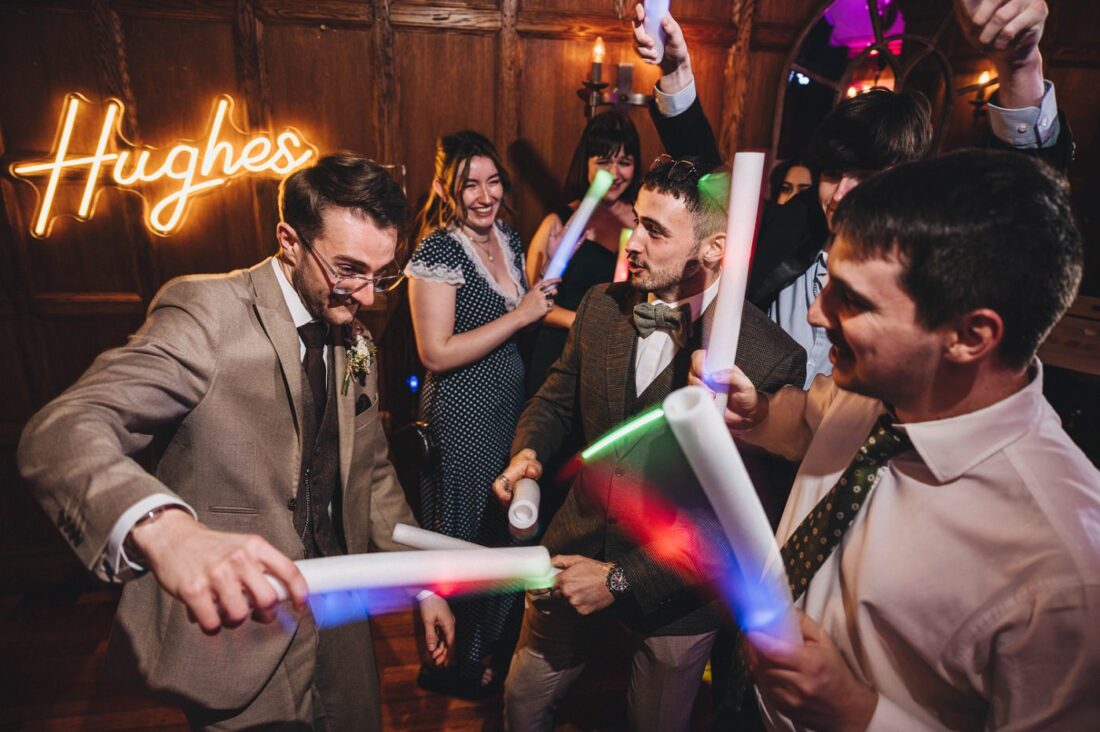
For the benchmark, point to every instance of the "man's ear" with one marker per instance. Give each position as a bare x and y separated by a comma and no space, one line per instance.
974,336
290,246
713,249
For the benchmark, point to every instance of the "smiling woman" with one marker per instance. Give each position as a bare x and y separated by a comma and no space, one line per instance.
469,299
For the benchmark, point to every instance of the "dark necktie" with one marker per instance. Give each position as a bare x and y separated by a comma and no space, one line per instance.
649,317
314,336
823,528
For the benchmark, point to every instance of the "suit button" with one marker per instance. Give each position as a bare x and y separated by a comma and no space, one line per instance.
291,504
619,472
612,521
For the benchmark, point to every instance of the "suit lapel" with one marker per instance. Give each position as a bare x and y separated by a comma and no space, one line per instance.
621,343
279,326
345,412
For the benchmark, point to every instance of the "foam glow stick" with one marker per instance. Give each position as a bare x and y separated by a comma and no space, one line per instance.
523,513
744,205
418,538
387,570
621,273
761,590
574,230
655,12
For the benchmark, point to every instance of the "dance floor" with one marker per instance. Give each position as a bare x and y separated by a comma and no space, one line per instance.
52,644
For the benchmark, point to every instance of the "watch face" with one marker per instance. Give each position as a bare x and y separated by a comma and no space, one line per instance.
616,580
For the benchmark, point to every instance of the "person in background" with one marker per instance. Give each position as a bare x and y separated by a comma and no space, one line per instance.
609,142
863,135
469,299
789,178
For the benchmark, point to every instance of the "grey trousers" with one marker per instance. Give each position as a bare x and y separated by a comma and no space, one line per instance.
664,675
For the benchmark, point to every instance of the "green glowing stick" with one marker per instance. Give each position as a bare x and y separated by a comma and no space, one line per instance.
621,431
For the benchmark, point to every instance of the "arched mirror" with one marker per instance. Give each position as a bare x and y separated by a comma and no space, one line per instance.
850,46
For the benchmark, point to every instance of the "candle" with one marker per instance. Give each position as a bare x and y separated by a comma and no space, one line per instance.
758,583
655,12
574,230
598,51
621,273
423,569
744,204
523,513
418,538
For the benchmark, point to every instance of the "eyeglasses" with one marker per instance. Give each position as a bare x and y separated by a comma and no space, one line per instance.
345,285
680,171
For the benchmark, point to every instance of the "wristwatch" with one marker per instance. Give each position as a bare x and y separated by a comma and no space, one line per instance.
616,581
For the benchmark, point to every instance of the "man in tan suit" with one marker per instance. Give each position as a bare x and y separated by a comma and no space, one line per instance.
270,450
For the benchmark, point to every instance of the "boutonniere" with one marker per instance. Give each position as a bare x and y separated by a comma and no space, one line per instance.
361,353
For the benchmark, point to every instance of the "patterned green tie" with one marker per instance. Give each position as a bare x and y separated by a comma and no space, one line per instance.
823,528
820,533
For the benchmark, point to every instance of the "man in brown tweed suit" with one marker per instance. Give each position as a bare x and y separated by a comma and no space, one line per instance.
266,456
623,356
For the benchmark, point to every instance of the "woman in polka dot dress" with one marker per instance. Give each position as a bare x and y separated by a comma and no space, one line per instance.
469,298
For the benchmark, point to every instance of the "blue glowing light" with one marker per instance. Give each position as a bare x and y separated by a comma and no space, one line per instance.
413,383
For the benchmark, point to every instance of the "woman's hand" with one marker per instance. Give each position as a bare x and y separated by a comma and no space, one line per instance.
538,301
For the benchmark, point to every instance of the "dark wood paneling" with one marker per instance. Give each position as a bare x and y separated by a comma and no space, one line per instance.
71,343
317,75
16,389
682,9
441,94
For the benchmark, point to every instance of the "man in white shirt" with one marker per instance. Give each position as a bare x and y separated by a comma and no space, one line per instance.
271,450
941,537
629,347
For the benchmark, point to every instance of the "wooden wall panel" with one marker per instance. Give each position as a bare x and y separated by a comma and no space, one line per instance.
448,83
317,74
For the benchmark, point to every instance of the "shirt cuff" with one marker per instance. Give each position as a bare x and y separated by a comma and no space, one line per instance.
670,105
115,562
889,717
1030,127
424,595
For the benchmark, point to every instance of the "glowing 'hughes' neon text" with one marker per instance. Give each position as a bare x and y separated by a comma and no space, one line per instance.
185,169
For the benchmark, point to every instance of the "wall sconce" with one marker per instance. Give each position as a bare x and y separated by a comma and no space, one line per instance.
982,92
595,91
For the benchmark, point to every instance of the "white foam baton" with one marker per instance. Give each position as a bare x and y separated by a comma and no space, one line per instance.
574,230
423,569
744,205
418,538
655,12
523,513
762,591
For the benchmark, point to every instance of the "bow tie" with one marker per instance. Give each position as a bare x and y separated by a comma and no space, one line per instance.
649,317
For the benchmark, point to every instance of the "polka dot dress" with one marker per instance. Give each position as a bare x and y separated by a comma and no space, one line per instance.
472,413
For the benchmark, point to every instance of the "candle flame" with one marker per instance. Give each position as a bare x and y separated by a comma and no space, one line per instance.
984,78
598,50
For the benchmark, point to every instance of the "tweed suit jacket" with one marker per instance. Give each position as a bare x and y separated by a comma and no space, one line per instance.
214,377
593,375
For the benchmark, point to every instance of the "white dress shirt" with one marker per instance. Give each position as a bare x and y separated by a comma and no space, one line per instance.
967,591
656,351
115,561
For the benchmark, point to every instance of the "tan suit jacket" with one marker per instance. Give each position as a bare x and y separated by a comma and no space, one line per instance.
213,380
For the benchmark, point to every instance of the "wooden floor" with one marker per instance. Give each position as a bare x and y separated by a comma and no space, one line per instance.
52,644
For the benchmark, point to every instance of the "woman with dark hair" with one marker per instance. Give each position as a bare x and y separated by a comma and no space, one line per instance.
789,178
610,141
469,298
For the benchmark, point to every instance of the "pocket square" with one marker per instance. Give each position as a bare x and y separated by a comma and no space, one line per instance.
362,404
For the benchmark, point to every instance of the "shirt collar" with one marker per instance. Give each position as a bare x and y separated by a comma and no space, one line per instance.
699,302
298,311
951,447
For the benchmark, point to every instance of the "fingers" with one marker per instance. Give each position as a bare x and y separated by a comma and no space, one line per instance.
772,651
565,561
502,489
199,599
431,639
673,31
1025,29
279,566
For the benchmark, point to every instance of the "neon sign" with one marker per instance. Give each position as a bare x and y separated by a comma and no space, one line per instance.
186,169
